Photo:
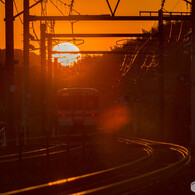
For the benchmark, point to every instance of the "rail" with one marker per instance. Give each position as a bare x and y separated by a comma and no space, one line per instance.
135,165
126,184
166,171
2,133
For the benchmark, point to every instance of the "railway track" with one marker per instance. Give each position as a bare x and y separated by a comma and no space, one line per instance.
56,148
161,160
37,153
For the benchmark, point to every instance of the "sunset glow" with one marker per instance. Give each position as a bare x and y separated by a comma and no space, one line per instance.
66,59
126,8
86,89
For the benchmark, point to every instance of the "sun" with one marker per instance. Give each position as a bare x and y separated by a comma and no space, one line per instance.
66,59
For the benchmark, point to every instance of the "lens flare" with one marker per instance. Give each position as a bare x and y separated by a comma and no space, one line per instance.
114,118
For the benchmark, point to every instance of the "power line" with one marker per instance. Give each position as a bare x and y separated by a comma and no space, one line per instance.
35,33
2,1
57,7
68,6
130,64
18,12
43,8
175,5
181,27
170,32
72,25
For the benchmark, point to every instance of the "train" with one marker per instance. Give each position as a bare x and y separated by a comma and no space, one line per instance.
77,107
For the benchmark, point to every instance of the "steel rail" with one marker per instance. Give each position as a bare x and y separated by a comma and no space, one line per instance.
124,184
39,155
5,158
28,152
165,171
41,149
149,154
53,136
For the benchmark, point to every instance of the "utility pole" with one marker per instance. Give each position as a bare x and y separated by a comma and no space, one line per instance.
9,22
161,73
43,77
193,76
50,87
26,94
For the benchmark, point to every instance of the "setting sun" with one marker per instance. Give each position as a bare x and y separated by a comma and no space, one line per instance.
66,59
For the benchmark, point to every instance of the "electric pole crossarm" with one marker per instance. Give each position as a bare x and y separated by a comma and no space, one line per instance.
108,18
98,52
150,13
98,35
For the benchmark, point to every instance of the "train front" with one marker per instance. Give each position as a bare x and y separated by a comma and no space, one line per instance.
77,108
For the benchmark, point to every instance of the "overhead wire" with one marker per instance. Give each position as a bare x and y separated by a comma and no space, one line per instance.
181,27
152,62
170,32
130,58
128,67
43,8
136,54
62,3
72,25
49,24
2,1
17,11
171,25
71,22
175,5
126,64
144,63
56,7
35,33
69,6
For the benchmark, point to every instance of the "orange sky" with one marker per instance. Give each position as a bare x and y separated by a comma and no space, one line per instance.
126,7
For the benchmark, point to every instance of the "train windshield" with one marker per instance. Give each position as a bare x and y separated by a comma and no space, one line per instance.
78,101
65,102
91,102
